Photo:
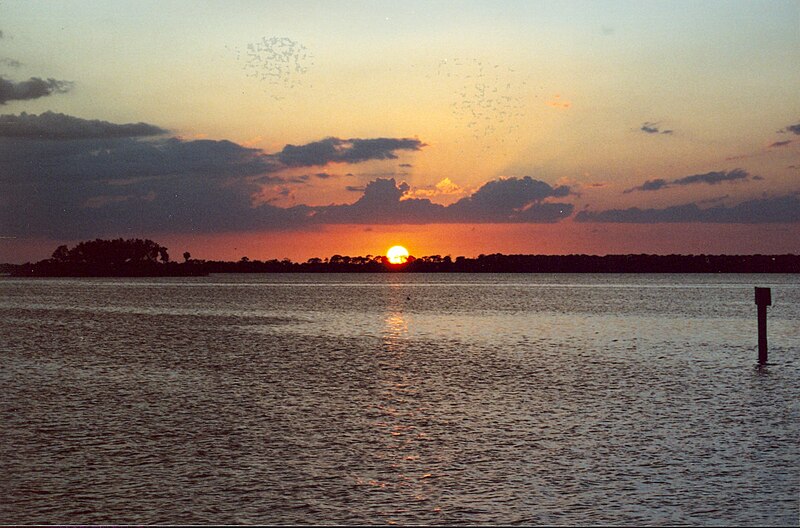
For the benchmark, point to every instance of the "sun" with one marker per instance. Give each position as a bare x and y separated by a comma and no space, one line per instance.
397,255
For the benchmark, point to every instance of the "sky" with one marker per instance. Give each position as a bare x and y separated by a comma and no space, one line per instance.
306,129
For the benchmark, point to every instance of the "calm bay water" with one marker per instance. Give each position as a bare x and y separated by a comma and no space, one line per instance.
426,399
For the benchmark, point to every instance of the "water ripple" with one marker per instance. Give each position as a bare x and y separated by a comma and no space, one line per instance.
508,399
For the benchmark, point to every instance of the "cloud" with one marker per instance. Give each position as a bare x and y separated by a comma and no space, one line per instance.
50,125
335,150
514,200
739,157
382,203
66,177
33,88
653,128
780,143
715,199
793,129
711,178
444,187
305,178
11,63
510,200
778,209
649,185
268,194
119,186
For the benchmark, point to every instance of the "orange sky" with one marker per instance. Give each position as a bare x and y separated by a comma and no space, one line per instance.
472,240
129,119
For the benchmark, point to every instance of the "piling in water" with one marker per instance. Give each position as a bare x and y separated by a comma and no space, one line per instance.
763,299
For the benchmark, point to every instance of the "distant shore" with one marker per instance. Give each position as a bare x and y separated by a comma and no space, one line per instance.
495,263
49,269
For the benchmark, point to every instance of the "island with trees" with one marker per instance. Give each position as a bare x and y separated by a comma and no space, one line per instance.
145,258
108,258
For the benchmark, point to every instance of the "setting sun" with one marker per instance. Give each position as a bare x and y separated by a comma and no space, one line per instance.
397,255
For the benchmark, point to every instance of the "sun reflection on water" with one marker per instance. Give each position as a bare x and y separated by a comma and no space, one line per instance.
402,463
395,329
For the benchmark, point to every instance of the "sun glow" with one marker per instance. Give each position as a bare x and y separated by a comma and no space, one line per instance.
397,255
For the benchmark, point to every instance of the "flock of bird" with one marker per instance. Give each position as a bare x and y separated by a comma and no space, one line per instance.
488,96
279,61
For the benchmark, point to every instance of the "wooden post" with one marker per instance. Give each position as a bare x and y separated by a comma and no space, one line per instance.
763,299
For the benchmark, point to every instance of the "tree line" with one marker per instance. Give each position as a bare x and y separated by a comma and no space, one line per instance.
500,263
137,257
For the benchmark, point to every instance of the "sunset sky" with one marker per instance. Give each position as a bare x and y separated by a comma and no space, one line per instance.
305,129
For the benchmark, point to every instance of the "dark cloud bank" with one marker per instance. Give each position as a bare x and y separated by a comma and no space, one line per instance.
66,177
50,125
511,200
778,209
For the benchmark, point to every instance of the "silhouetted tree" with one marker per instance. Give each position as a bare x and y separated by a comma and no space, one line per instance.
61,254
118,257
113,252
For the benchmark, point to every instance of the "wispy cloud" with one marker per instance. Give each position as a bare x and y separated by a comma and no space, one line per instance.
335,150
650,185
778,144
710,178
713,178
33,88
50,125
11,63
649,127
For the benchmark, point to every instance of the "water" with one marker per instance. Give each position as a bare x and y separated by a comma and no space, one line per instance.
415,399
